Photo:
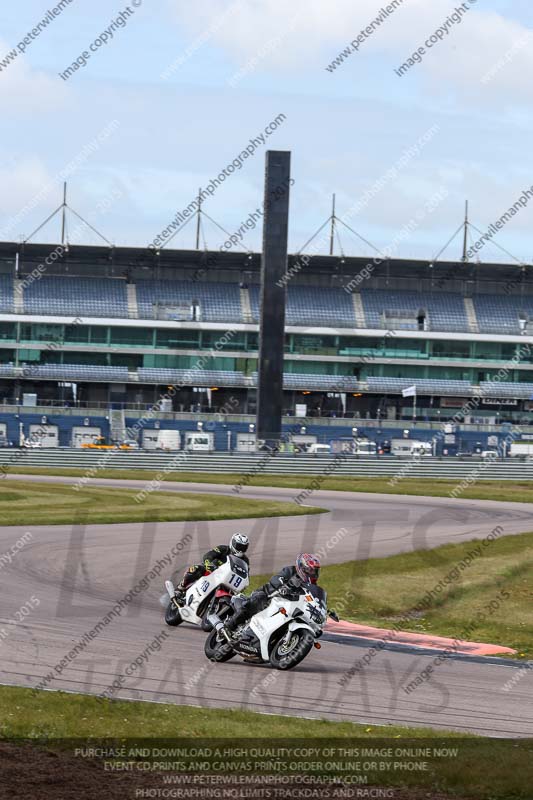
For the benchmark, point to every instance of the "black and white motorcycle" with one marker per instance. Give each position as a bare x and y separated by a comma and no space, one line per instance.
210,594
282,634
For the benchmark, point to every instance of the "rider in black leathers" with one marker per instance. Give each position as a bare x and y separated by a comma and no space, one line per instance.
289,582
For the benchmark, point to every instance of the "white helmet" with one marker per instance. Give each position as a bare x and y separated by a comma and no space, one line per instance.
239,544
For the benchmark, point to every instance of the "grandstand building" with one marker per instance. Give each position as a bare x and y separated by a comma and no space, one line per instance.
92,337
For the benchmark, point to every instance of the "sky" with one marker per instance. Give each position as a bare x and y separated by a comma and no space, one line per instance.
180,89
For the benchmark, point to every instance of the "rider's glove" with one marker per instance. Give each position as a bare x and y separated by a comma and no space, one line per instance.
285,591
209,566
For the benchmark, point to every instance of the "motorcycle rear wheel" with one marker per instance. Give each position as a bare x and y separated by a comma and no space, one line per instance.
172,615
286,656
216,650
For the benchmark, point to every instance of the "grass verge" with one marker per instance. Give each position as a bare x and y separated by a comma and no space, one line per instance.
60,715
472,768
489,599
32,503
518,491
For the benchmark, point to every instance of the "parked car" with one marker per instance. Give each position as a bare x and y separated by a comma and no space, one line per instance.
130,444
489,454
319,449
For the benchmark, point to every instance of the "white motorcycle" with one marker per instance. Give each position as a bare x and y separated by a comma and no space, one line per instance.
210,594
282,634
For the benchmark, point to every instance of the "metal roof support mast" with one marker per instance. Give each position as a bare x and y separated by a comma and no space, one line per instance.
63,208
63,216
465,237
332,233
199,219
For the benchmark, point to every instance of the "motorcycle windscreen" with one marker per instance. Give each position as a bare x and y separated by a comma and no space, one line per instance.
238,566
318,593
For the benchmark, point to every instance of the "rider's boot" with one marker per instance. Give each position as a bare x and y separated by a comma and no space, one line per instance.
179,595
228,630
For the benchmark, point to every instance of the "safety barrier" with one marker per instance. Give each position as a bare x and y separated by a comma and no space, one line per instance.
264,464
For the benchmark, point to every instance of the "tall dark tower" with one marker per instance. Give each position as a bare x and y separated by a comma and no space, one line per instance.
273,296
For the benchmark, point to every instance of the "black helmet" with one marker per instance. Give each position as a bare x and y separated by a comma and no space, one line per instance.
239,544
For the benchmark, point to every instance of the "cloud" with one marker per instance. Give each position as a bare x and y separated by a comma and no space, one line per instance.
25,91
484,41
256,22
20,180
486,59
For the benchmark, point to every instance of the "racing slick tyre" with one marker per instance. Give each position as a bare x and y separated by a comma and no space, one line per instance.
287,655
216,650
172,615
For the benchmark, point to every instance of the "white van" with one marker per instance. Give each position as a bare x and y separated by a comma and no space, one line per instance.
364,447
199,441
411,447
168,440
246,443
524,449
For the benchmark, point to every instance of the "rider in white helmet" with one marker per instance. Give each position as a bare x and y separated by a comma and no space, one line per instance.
213,559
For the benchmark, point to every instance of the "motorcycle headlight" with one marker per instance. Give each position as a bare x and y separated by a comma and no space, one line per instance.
316,615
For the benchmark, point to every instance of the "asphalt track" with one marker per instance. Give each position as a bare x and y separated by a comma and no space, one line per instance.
77,573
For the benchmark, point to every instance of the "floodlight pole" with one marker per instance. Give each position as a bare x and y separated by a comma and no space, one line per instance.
273,297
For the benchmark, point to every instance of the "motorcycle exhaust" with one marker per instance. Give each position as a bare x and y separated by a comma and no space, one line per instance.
215,621
169,586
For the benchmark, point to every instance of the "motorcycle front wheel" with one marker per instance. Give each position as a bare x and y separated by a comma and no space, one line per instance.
288,653
172,615
216,650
